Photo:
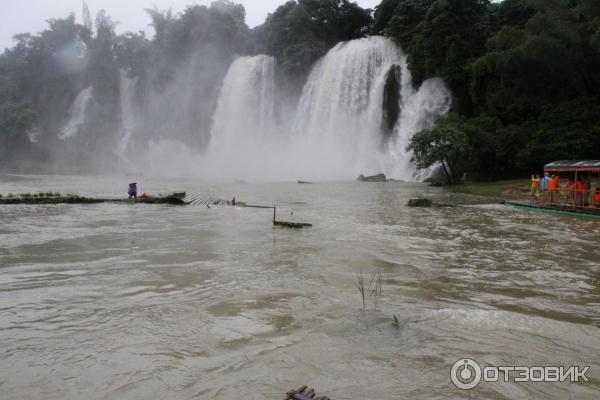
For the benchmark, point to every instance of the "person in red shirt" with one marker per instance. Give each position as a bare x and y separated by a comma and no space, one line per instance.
551,187
580,195
597,198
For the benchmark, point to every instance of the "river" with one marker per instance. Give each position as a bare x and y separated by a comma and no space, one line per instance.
114,301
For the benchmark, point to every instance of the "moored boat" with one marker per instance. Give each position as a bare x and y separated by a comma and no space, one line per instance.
578,197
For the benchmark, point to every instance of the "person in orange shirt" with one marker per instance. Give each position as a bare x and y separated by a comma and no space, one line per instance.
597,198
535,189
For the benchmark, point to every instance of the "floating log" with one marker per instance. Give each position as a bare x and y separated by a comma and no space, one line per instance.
292,225
304,393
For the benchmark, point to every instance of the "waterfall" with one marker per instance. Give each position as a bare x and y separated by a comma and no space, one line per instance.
340,115
244,126
356,114
127,95
419,111
76,114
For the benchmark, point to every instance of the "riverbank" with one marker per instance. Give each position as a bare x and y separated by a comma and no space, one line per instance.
516,188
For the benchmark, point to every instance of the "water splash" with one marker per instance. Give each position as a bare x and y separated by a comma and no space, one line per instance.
127,93
77,114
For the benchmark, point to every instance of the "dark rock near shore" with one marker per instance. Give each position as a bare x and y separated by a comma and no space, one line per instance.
373,178
420,203
434,182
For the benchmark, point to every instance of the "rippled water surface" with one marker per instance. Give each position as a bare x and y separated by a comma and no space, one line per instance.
123,301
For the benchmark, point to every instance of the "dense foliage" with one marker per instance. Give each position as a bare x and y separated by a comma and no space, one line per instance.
530,66
299,33
524,74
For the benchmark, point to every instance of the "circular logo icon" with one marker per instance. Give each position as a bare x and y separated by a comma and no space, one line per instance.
465,374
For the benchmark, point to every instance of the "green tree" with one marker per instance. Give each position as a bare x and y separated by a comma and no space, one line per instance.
446,144
299,33
441,37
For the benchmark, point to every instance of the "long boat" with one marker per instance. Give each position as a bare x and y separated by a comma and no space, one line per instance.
567,201
524,205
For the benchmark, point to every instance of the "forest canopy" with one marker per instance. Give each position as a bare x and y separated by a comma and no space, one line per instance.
524,74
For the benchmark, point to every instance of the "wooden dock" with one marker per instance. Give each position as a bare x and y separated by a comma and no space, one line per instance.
175,199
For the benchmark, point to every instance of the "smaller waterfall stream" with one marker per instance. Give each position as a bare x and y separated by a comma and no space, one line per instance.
244,128
127,93
76,114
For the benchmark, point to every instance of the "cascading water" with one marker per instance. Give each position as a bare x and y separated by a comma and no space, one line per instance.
339,120
340,128
127,93
419,111
244,128
77,114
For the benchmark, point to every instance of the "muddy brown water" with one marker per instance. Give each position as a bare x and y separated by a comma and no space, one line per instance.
114,301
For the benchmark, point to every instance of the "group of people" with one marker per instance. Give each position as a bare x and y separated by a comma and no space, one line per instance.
578,192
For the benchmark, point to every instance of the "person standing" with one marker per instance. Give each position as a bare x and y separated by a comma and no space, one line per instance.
597,198
535,189
546,186
580,194
132,192
552,188
556,191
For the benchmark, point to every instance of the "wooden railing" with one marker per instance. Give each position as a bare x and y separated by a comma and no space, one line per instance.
569,198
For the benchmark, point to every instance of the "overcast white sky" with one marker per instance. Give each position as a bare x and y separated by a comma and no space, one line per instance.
18,16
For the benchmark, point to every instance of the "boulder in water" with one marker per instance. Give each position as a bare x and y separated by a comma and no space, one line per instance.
434,182
420,203
373,178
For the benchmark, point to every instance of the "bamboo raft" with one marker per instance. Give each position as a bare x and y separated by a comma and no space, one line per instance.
304,393
175,199
74,199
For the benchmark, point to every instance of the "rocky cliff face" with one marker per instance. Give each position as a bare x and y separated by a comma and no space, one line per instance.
392,99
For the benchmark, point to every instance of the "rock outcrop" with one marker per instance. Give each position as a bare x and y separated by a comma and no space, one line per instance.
420,203
373,178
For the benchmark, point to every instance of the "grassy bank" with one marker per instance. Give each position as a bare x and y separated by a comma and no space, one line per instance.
517,188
